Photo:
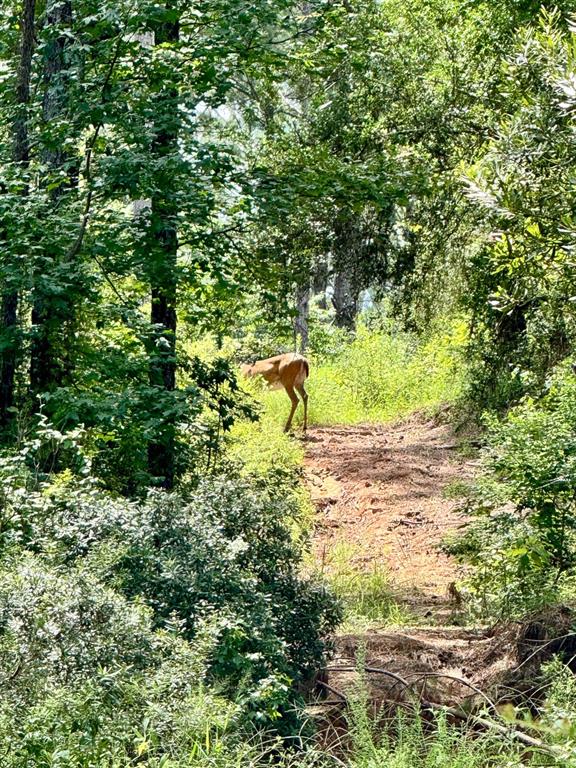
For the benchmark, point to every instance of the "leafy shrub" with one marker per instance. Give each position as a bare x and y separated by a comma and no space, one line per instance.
59,624
118,424
87,680
224,560
82,670
158,716
526,502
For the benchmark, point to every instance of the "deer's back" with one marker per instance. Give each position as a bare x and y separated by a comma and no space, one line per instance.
281,370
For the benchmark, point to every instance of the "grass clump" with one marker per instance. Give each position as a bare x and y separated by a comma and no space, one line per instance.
365,595
261,446
409,743
407,740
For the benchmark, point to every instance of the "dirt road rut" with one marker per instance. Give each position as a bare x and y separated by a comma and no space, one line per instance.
381,490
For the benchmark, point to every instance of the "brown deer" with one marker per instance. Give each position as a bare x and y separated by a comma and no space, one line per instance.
289,371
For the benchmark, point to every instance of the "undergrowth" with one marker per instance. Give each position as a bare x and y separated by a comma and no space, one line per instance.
366,595
410,739
522,541
411,742
378,376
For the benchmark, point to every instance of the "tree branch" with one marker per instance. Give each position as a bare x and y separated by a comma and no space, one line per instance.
77,245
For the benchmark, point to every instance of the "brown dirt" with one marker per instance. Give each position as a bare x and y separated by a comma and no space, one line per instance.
380,490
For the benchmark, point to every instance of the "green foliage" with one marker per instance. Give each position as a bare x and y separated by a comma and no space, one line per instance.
161,716
522,274
557,712
380,376
409,742
222,561
261,446
526,535
117,425
88,681
366,595
554,722
60,624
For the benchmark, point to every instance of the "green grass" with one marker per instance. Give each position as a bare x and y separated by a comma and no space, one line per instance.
456,489
366,595
263,446
408,742
378,377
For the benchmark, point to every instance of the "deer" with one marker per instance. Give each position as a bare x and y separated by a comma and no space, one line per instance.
288,371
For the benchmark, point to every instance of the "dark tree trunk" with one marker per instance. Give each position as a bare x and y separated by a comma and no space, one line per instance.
48,367
21,142
9,331
345,301
8,355
163,274
301,319
346,283
320,276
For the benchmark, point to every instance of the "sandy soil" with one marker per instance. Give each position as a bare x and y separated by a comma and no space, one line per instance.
381,491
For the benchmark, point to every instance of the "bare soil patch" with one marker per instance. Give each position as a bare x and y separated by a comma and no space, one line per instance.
381,489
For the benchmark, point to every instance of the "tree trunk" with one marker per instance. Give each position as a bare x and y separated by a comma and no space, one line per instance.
163,275
345,301
301,319
48,369
8,356
346,285
21,155
320,281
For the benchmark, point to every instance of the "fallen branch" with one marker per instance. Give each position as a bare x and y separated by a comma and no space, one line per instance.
457,679
508,731
335,691
375,670
543,646
428,706
327,703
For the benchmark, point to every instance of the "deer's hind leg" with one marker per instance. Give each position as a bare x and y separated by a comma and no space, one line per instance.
304,395
294,398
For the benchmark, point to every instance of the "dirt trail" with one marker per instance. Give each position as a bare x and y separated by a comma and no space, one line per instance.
381,490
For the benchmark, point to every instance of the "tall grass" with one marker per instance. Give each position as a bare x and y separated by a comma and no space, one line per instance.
409,742
378,377
263,446
366,595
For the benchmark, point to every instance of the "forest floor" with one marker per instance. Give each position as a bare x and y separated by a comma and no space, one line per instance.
382,491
